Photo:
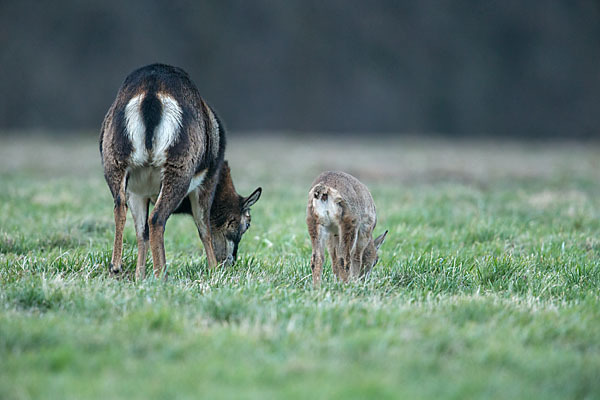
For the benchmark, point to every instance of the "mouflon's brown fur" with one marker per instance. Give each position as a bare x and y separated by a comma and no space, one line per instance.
161,143
341,216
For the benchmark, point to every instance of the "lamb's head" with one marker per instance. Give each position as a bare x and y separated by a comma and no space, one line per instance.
370,256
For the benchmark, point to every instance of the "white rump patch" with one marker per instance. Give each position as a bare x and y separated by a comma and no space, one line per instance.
136,130
168,128
328,211
165,133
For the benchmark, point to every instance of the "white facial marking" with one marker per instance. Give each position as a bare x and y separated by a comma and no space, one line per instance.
136,130
168,128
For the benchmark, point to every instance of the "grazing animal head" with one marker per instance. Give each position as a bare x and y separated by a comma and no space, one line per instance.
230,217
370,256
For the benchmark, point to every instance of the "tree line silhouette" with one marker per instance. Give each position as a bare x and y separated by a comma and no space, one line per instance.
509,68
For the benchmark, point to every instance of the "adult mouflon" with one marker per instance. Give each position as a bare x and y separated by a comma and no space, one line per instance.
161,143
341,216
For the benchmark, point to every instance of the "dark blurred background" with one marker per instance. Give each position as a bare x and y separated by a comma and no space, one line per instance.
509,68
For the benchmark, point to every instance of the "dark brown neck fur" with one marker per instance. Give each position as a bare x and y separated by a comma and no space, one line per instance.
226,201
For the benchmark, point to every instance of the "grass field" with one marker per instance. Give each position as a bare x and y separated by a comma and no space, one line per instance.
487,285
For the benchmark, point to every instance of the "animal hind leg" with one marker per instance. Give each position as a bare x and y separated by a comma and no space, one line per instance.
117,182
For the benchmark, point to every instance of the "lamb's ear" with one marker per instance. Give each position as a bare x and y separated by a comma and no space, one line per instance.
253,198
379,240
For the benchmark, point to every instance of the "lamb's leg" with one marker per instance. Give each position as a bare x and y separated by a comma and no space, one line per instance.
318,251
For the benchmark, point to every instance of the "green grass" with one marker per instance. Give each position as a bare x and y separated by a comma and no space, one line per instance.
488,284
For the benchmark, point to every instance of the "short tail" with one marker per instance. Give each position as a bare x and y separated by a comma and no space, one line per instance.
151,110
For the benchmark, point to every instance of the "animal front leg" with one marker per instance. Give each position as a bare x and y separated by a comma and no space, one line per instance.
173,189
356,262
201,213
316,263
332,248
347,250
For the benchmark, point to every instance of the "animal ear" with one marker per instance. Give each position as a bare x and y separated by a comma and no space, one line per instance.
253,198
380,239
